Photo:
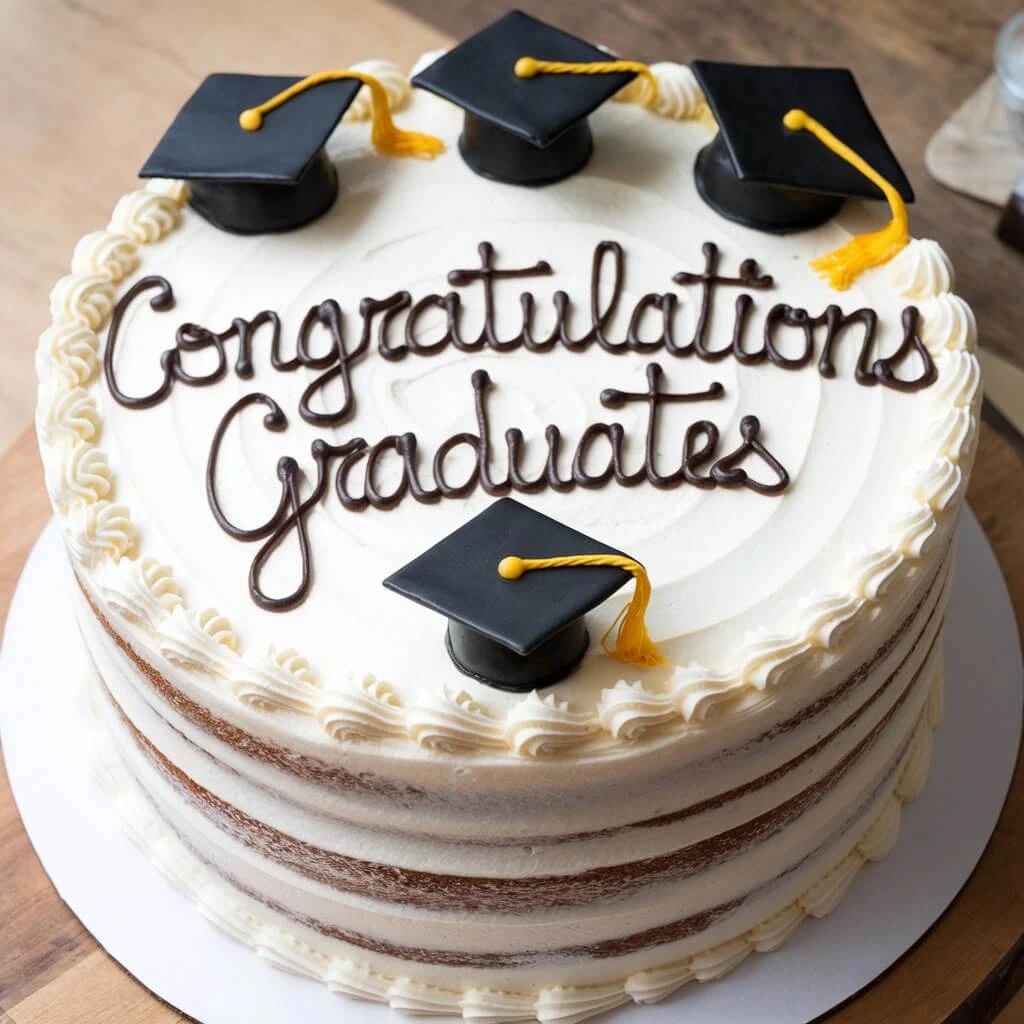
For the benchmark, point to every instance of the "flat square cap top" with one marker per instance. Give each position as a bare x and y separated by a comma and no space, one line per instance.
749,103
206,142
479,76
458,577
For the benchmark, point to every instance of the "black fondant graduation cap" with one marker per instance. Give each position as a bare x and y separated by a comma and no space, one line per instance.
759,173
526,131
515,634
253,182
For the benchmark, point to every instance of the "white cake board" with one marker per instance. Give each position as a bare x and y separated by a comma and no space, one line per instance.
156,934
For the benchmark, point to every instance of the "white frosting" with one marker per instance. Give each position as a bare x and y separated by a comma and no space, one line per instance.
279,681
539,726
698,691
452,722
424,60
67,416
915,529
871,570
952,432
881,837
145,216
947,322
502,803
627,710
938,484
921,270
368,710
678,95
141,590
202,642
823,897
396,88
915,773
101,252
770,934
79,474
84,299
959,380
828,616
178,191
97,531
770,656
66,355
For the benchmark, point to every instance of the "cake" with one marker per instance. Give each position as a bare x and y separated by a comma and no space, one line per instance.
246,430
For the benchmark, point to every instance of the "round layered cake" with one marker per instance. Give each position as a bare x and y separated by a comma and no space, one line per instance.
244,435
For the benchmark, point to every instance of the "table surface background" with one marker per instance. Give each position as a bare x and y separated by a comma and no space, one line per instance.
90,85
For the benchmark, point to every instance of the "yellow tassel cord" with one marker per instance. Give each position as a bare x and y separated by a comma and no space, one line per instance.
527,67
845,264
706,117
385,135
632,643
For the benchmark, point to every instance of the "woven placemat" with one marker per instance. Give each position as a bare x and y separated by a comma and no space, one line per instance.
976,151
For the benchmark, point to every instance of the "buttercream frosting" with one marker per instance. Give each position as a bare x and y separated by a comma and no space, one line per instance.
141,590
396,88
922,270
203,642
677,96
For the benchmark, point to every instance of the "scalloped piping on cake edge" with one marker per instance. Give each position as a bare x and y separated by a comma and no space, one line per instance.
564,1004
100,534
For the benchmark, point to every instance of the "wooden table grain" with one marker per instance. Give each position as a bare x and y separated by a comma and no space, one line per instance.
89,84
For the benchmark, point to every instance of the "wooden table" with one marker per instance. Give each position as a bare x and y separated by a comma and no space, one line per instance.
89,85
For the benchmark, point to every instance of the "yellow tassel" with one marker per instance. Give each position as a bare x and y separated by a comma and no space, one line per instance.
706,117
845,264
633,645
385,135
527,67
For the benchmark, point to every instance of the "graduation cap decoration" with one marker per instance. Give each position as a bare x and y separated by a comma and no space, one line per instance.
255,168
526,97
777,175
511,625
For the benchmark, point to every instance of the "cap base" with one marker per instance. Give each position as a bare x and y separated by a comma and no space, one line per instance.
495,153
755,204
254,208
494,664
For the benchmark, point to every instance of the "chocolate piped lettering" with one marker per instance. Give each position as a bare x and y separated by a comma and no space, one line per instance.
708,279
598,458
393,469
